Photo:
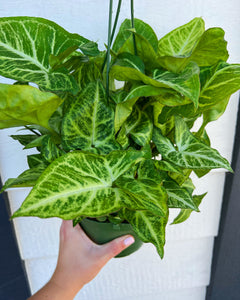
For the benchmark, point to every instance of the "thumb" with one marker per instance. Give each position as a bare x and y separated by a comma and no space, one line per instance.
113,248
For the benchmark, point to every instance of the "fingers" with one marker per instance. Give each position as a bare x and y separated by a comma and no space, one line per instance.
113,248
68,231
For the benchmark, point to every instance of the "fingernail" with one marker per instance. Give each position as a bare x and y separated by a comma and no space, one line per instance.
128,241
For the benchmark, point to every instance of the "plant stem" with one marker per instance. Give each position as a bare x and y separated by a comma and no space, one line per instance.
132,21
114,29
109,45
33,131
116,20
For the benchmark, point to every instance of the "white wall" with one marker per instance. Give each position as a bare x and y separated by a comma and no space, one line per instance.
185,271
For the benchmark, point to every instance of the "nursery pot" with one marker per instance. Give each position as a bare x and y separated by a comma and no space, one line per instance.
104,232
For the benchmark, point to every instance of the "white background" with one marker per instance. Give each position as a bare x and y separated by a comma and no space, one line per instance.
184,272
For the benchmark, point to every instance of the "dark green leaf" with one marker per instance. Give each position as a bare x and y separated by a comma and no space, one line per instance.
27,179
89,122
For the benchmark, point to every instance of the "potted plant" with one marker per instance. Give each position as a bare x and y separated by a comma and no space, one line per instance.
114,156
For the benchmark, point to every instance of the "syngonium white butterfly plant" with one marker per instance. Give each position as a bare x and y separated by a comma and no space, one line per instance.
120,155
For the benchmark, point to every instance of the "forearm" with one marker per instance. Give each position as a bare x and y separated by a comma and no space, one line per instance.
53,291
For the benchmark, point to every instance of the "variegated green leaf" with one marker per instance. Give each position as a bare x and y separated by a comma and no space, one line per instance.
147,170
225,80
26,179
49,149
180,41
88,123
25,46
185,213
124,108
124,41
167,166
149,227
34,160
189,152
23,105
177,45
80,184
138,126
186,83
207,50
147,194
178,197
211,48
180,178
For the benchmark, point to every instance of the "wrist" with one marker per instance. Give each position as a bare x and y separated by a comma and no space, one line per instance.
66,284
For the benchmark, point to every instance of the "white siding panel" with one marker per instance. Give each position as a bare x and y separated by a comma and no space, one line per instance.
185,270
186,265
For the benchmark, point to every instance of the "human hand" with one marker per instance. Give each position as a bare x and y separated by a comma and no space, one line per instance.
79,261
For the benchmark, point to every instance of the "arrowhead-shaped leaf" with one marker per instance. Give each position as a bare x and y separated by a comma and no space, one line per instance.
211,48
88,123
189,153
185,213
80,184
25,46
177,45
178,197
23,105
26,179
219,84
149,227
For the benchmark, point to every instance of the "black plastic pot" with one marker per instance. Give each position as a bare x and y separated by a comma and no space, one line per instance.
102,233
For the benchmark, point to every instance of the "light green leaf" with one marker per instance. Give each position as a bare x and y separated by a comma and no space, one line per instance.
211,48
149,227
124,108
215,112
26,179
178,197
186,83
180,41
224,82
25,46
80,184
88,123
23,105
175,47
189,153
185,213
124,41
